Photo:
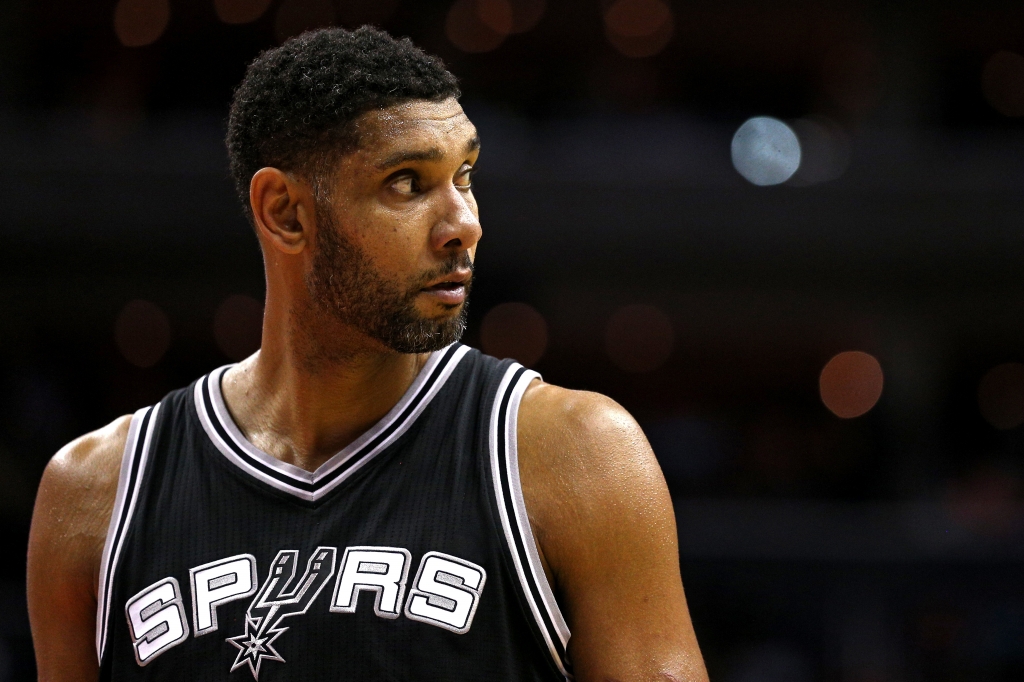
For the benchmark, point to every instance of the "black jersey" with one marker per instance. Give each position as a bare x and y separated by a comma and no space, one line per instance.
406,556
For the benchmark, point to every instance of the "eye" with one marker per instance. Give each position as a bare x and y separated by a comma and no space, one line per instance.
464,178
406,184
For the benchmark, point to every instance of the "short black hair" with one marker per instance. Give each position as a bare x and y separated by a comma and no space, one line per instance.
296,106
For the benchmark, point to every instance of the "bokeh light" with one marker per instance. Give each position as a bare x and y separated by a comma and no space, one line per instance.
1002,82
765,151
478,25
825,151
141,22
240,11
514,330
238,326
851,384
639,28
986,500
639,338
295,16
1001,396
142,332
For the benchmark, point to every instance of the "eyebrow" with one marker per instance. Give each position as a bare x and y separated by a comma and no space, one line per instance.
432,154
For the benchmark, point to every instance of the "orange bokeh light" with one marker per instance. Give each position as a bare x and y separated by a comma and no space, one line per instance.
1001,396
639,28
141,22
1002,82
514,330
851,384
478,25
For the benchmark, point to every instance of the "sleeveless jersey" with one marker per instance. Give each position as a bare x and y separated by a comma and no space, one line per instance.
406,556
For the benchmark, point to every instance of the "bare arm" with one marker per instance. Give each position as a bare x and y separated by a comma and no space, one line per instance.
603,519
69,526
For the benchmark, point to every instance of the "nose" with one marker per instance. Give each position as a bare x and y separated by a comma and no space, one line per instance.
458,227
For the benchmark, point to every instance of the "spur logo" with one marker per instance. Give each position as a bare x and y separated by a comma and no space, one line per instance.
275,602
444,593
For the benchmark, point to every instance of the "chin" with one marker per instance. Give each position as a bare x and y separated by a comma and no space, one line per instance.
440,312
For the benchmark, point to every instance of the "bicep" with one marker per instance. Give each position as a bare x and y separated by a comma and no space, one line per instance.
609,534
629,616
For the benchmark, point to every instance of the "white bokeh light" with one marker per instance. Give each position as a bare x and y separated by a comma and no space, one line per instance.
765,151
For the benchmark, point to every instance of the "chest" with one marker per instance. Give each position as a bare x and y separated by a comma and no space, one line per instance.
218,567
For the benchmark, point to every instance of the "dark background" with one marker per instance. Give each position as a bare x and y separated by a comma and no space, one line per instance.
884,547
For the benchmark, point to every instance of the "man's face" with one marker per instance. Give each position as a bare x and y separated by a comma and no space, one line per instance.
394,247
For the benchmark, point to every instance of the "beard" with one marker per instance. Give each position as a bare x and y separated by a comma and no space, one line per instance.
345,285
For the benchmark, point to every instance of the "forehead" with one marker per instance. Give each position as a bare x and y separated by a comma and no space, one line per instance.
417,124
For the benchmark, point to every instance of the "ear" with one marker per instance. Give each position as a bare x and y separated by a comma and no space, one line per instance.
282,207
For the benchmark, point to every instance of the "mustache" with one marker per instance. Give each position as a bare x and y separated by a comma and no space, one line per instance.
455,262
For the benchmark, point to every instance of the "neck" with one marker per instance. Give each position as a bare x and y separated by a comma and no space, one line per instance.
314,387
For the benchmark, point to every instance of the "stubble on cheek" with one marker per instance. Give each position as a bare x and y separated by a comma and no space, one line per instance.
346,286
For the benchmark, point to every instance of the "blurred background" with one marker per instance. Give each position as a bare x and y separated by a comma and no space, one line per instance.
788,236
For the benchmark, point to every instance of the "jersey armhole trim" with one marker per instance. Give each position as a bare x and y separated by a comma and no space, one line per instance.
133,464
514,518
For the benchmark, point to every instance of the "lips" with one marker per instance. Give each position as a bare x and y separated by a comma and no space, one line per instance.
451,280
451,289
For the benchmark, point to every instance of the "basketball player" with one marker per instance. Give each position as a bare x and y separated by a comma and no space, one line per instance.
364,498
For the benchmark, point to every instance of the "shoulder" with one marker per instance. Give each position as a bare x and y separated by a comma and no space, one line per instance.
76,494
65,548
587,470
602,517
581,430
91,462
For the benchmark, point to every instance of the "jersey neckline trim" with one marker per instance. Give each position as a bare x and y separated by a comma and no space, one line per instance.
220,427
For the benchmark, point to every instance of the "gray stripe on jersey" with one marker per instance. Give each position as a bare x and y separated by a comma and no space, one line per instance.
515,520
136,448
